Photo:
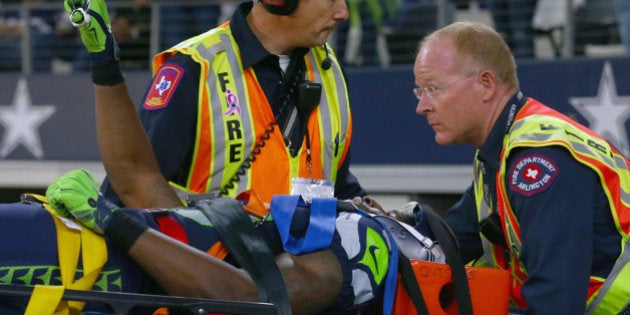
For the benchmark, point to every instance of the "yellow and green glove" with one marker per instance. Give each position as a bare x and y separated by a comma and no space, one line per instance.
76,194
92,20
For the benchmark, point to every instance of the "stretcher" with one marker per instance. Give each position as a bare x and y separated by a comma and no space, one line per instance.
30,260
41,270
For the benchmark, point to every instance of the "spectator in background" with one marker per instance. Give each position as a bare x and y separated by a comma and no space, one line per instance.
66,46
131,26
180,22
9,43
360,41
513,20
595,24
594,21
14,28
384,32
550,20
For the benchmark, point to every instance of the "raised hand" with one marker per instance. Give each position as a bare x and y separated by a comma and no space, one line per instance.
76,194
92,19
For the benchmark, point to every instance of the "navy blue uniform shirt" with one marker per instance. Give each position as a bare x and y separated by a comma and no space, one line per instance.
172,128
566,227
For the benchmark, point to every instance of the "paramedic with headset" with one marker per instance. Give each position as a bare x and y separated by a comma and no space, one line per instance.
244,107
552,190
257,103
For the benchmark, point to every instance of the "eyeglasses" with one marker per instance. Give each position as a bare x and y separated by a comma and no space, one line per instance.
433,91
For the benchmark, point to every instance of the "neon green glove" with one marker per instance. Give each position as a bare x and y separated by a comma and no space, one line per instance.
92,19
76,194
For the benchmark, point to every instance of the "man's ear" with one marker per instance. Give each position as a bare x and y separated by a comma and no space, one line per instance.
488,82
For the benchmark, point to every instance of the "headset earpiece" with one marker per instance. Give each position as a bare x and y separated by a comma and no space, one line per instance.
280,7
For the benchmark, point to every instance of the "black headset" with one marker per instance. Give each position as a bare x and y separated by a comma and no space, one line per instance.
280,7
327,62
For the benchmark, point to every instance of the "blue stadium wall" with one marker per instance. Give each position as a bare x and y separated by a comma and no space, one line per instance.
47,121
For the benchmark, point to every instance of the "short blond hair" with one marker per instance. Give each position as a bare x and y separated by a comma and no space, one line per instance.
480,46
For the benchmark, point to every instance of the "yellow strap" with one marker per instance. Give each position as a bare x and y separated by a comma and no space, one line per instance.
94,257
71,240
68,248
46,296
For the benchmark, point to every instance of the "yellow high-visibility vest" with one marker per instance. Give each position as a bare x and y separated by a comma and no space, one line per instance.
537,125
226,138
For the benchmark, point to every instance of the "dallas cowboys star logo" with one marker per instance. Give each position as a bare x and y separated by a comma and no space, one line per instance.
607,112
21,120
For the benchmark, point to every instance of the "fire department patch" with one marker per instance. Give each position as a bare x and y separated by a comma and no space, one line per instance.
163,86
532,174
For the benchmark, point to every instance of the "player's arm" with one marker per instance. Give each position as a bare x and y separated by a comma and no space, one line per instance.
313,280
127,155
124,147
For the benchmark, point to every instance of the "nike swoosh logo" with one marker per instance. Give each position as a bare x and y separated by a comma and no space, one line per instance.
375,255
372,249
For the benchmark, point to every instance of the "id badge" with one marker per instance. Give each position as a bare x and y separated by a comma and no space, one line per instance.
310,188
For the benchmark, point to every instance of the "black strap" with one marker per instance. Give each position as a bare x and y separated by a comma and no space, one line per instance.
447,241
246,245
408,279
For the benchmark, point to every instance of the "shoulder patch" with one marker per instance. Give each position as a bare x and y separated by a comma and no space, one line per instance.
532,174
163,86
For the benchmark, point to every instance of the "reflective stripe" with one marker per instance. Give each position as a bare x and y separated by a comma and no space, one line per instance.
217,166
493,255
325,120
247,125
345,119
590,149
218,170
513,240
483,211
327,125
615,293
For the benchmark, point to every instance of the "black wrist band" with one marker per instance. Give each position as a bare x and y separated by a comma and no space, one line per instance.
107,73
124,229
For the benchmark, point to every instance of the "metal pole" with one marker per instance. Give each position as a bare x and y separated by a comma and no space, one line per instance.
25,42
569,31
156,8
441,13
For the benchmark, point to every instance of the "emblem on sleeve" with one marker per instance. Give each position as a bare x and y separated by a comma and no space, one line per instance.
163,86
532,174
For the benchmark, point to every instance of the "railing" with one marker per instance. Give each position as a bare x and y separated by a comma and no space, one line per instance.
383,37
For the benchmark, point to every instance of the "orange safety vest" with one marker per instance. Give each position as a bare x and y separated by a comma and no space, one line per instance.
537,125
226,138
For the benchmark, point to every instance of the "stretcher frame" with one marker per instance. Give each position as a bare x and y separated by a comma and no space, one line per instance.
125,303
